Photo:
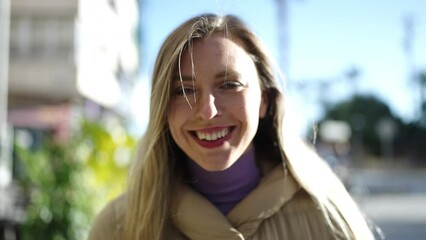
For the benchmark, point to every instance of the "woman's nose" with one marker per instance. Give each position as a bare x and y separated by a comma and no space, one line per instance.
206,107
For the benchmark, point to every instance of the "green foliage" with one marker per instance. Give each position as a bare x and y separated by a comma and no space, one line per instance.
68,183
106,151
421,78
55,197
363,113
411,142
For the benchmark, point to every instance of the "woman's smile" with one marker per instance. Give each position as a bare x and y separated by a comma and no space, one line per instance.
212,134
213,137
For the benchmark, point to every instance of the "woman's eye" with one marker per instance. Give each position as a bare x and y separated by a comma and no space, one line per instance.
231,85
182,91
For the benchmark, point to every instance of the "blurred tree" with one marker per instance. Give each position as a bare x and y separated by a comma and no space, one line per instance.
106,149
421,78
411,143
67,183
55,198
363,113
372,121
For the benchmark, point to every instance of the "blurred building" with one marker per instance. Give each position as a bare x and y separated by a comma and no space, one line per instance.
68,60
68,55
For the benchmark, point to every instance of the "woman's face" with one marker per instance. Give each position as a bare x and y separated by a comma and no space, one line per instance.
215,123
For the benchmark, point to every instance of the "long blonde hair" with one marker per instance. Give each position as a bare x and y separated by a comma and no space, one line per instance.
157,171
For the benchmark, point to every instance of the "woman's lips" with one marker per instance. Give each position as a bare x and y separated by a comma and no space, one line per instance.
212,137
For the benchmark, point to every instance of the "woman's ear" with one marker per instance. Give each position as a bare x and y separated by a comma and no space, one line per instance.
264,103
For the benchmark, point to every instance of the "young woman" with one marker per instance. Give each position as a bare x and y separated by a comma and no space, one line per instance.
217,160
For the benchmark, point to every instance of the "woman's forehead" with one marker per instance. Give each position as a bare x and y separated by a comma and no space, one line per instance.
214,50
221,42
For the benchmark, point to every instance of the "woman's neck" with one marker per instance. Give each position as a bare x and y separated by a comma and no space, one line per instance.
228,187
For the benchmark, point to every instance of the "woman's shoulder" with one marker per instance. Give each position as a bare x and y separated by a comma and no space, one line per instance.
301,202
299,218
107,224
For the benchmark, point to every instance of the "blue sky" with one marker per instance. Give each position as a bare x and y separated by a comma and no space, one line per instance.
326,38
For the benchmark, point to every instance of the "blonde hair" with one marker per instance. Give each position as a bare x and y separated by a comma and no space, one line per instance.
157,171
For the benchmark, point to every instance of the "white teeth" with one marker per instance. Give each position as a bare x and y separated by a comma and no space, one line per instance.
223,132
212,136
201,135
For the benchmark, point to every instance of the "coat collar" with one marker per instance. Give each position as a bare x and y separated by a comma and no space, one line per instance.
197,218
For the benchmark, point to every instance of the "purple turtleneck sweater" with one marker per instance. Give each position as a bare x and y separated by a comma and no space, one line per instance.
228,187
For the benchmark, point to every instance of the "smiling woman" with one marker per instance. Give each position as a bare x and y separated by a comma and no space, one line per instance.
217,161
216,126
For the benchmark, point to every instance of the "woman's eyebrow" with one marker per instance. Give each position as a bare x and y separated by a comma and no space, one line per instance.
220,75
228,73
184,78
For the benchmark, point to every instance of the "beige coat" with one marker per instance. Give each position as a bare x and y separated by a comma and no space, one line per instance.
277,209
